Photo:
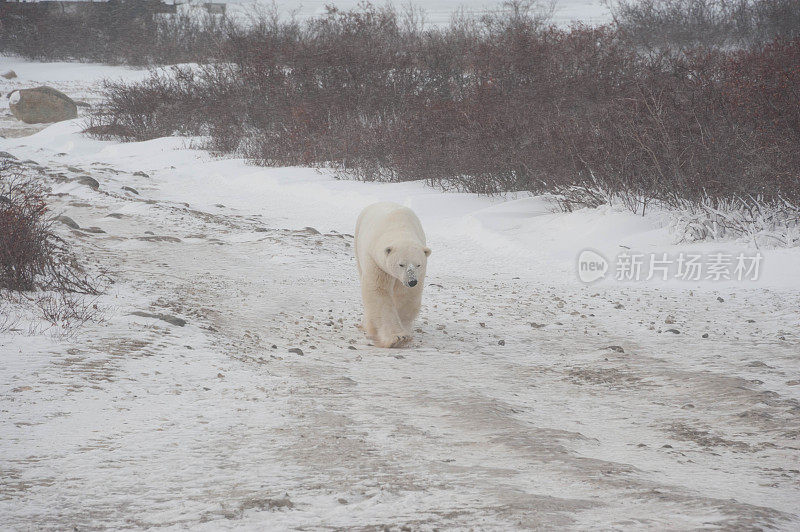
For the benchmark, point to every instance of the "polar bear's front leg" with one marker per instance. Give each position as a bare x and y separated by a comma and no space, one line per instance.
391,332
407,304
371,311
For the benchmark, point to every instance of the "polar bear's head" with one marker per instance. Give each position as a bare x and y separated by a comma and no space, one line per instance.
406,262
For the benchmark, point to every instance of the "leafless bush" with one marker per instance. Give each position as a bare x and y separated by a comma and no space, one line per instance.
32,256
129,31
488,105
774,223
668,24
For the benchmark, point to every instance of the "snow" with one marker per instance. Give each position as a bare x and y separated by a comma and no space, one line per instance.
508,411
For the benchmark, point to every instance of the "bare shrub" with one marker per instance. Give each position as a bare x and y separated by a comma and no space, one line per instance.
663,24
488,105
128,31
32,256
774,223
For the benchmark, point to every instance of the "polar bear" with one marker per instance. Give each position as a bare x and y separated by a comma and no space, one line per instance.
391,256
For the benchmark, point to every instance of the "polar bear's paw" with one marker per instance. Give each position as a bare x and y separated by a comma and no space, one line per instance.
400,341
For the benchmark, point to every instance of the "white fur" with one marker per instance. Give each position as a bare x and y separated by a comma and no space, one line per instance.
391,254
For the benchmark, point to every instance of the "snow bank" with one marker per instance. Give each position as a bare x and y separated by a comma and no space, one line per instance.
516,233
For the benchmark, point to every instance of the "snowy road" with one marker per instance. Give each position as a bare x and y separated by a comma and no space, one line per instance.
527,400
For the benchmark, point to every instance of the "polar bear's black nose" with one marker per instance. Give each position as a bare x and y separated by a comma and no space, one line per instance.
412,282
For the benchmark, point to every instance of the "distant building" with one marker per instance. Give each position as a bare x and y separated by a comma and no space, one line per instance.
11,7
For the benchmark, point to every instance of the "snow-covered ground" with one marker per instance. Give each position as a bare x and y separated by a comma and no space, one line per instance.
527,400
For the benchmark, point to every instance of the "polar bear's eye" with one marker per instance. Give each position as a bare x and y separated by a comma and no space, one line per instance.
402,265
419,265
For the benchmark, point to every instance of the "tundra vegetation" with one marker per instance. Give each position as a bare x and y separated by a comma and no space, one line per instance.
37,266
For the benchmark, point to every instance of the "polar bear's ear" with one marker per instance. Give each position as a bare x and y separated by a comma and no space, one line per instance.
387,250
427,251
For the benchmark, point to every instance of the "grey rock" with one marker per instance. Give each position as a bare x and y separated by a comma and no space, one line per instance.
96,230
42,105
172,320
296,350
6,155
616,348
10,74
141,174
115,215
267,504
69,222
159,238
89,182
132,190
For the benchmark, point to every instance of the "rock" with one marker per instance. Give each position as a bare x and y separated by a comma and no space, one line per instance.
92,230
132,190
311,230
268,504
66,220
6,155
159,238
296,350
720,300
163,317
141,174
351,347
9,74
792,383
41,105
501,342
705,335
89,182
115,215
673,331
616,348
